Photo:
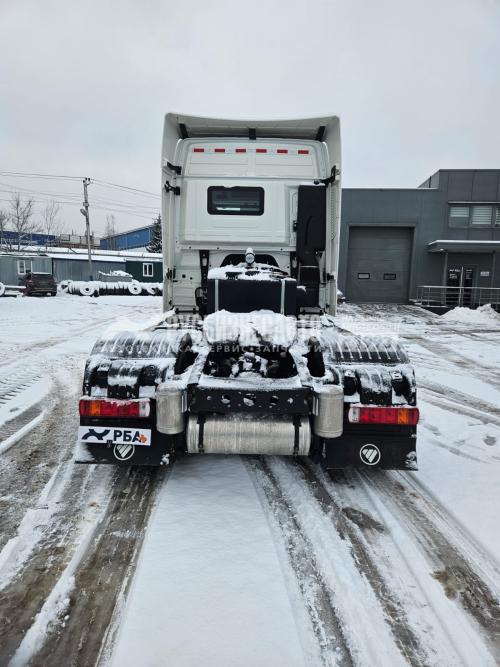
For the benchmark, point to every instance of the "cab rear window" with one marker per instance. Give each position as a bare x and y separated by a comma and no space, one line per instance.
235,201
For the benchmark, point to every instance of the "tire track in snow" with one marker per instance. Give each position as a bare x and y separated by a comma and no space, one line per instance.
14,382
20,421
463,401
448,634
461,577
438,399
326,625
35,348
24,596
101,575
32,462
346,524
476,369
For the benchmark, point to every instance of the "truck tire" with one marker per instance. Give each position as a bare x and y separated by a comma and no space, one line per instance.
87,289
2,289
134,288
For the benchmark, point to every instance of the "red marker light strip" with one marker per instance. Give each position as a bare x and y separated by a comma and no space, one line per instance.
241,150
219,150
198,150
303,151
261,150
383,415
114,408
282,150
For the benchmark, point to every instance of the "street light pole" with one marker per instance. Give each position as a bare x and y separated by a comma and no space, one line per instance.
85,211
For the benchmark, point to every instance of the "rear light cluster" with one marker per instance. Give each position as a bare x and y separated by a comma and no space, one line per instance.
100,407
280,151
383,415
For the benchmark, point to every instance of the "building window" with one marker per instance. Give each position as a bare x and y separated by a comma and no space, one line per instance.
481,215
459,216
147,270
24,266
474,215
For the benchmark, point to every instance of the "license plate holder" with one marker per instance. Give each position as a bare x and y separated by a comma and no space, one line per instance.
118,435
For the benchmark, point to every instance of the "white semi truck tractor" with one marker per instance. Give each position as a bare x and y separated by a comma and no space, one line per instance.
248,358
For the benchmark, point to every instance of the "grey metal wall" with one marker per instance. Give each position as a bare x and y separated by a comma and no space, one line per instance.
78,269
9,269
427,210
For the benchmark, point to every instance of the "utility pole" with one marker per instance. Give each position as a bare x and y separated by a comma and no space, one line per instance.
85,211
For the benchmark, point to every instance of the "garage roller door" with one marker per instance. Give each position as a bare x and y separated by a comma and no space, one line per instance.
378,268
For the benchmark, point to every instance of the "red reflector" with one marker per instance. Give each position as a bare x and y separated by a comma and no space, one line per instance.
241,150
219,150
114,408
383,415
282,150
198,150
303,151
261,150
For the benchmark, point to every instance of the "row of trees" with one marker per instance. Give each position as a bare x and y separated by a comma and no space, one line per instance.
20,217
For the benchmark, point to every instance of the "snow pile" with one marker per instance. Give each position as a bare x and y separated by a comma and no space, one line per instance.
127,324
250,329
244,272
484,314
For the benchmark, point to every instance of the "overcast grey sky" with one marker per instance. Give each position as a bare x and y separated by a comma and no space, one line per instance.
84,85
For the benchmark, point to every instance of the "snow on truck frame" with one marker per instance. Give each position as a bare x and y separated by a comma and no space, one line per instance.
247,358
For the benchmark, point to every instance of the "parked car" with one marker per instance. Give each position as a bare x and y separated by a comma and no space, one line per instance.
39,284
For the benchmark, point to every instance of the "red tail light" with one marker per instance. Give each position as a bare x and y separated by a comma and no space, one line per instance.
383,415
107,408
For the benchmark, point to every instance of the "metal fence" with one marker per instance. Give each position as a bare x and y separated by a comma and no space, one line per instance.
450,297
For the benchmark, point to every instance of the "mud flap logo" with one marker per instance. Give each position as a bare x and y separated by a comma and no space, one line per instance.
370,455
123,452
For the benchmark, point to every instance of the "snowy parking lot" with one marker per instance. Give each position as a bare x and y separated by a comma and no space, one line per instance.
231,561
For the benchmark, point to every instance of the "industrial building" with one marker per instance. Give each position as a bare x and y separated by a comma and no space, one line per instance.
72,264
135,238
15,266
445,233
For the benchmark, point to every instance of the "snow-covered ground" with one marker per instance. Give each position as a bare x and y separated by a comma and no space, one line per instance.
226,561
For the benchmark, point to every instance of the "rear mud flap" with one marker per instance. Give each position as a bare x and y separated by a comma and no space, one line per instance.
160,453
389,453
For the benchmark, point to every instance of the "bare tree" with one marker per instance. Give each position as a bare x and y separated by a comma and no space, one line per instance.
110,231
21,214
4,219
52,224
